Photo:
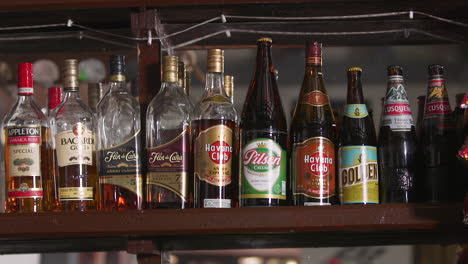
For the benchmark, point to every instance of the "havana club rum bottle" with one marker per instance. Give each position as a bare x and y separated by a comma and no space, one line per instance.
118,143
24,129
72,125
214,134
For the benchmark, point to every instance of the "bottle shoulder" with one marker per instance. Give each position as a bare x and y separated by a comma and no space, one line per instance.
25,113
211,109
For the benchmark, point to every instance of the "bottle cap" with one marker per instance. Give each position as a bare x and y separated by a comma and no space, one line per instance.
215,60
314,53
70,75
435,69
170,69
117,68
353,69
25,78
264,39
55,96
181,73
229,85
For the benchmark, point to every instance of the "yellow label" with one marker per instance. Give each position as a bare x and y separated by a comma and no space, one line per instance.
174,181
75,147
76,193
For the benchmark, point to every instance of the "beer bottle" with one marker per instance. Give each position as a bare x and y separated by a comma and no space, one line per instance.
458,117
264,137
357,154
215,148
419,120
313,137
437,138
397,143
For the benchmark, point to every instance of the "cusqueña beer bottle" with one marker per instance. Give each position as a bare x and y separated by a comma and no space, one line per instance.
313,138
215,148
397,143
264,137
358,170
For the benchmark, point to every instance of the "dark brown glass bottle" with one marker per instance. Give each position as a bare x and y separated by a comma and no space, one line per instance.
437,139
397,143
419,120
458,117
264,137
358,170
313,138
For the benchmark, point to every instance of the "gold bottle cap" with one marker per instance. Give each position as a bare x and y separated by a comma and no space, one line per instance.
354,69
229,85
170,69
70,75
181,73
264,39
215,60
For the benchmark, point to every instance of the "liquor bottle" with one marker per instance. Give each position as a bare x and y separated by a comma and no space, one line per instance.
229,87
397,147
421,103
94,95
215,148
313,138
24,129
357,154
264,137
50,181
182,81
72,125
437,138
168,143
119,143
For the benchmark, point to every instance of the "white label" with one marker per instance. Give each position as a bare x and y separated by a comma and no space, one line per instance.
24,150
217,203
75,146
397,112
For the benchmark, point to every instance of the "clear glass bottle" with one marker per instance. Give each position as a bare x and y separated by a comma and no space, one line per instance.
72,125
119,143
229,87
169,181
25,148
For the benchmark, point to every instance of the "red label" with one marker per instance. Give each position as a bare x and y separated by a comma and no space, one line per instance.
397,109
25,194
24,140
219,152
253,157
437,108
314,98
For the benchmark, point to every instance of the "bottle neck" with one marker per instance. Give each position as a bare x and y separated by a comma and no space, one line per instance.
170,87
214,84
354,88
71,93
264,63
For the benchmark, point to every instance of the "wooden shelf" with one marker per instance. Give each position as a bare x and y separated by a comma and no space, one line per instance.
191,229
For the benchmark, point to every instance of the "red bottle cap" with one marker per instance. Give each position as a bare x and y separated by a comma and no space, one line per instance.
55,96
314,53
25,78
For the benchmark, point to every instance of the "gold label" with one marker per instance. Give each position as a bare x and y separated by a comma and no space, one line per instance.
314,98
314,60
24,150
132,182
174,181
213,155
76,193
75,146
118,78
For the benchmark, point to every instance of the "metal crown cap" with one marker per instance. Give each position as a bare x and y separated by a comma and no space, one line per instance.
352,69
264,39
70,75
435,69
215,60
170,69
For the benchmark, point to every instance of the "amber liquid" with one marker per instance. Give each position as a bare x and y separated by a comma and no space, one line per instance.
119,198
49,180
79,176
205,190
22,205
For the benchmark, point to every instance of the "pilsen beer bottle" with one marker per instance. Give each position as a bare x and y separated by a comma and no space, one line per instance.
169,180
72,125
437,138
313,137
24,133
397,143
264,137
118,143
358,170
215,148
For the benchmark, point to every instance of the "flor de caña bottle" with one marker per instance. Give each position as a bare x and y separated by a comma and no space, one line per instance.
215,148
118,143
72,125
358,170
397,143
264,137
313,137
169,181
24,129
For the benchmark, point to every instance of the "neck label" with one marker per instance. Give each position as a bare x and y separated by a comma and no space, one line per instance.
314,98
356,110
25,91
437,102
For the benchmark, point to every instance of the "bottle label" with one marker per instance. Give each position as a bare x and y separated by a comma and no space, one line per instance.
264,165
437,102
75,147
25,192
397,111
217,203
168,165
356,110
358,179
314,98
121,166
314,168
314,60
24,150
213,155
75,193
25,91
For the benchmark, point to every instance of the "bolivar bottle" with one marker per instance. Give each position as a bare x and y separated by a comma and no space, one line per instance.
358,170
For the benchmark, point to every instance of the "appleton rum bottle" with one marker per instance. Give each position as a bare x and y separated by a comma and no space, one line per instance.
313,138
169,181
357,155
214,134
72,125
397,143
264,137
24,129
118,143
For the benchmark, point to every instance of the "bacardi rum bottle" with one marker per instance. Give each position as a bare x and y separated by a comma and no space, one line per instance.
25,148
72,125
